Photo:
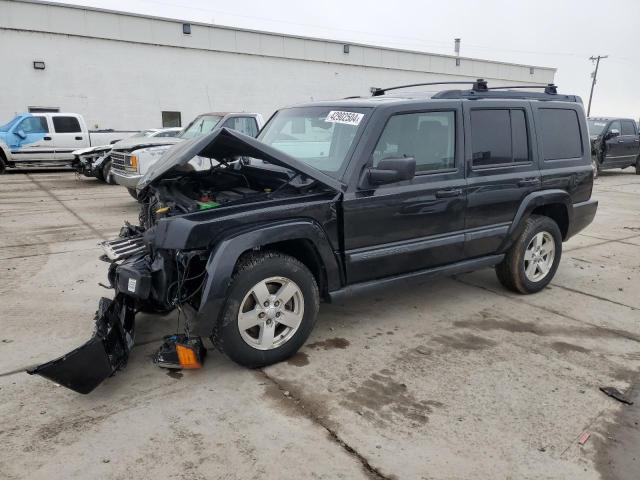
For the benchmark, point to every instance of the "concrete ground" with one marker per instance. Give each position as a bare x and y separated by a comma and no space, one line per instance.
453,379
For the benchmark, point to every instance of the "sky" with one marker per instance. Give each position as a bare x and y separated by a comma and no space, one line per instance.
559,33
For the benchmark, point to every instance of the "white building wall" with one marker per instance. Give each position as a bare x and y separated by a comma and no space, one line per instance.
121,71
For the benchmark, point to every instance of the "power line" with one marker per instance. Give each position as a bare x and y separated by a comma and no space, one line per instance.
594,75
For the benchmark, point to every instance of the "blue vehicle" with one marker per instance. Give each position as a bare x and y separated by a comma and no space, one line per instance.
37,139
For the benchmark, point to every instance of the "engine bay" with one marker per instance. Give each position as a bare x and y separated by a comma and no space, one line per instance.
218,187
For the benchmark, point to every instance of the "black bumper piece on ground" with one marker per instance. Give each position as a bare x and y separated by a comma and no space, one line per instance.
84,368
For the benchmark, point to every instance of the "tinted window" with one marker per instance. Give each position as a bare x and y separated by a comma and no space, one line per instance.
628,128
499,137
66,124
560,134
246,125
33,125
428,137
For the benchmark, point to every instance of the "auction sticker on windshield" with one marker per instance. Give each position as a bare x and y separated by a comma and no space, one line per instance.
348,118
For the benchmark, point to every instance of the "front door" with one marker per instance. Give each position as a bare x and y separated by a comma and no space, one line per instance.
416,224
615,151
31,140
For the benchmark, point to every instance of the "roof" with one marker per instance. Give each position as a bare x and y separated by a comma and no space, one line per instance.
606,119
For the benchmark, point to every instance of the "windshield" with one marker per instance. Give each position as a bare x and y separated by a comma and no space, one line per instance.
200,126
321,137
596,126
7,127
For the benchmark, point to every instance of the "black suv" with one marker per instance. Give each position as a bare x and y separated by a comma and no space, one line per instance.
336,197
615,143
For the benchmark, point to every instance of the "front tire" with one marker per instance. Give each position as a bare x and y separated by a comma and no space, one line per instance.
638,165
3,166
533,259
270,310
133,192
106,173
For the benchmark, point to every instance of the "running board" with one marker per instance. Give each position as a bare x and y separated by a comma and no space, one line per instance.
123,247
415,277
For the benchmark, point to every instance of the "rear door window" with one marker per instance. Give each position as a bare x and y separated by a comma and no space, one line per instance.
561,137
499,137
628,128
66,124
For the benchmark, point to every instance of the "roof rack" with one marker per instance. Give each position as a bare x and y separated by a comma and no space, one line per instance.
480,85
480,89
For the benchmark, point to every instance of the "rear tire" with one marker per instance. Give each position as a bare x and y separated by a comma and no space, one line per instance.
638,166
267,288
533,259
133,192
106,173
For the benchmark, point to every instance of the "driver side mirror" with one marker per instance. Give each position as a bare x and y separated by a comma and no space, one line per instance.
391,170
613,133
20,133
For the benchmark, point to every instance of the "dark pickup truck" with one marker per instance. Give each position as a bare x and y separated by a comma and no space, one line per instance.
615,143
335,198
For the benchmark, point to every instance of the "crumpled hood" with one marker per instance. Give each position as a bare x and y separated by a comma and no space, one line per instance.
84,151
137,143
225,144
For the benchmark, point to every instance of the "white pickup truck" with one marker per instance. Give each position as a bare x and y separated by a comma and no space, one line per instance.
48,139
131,162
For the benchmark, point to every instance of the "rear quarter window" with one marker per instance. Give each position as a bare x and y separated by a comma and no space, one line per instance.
561,137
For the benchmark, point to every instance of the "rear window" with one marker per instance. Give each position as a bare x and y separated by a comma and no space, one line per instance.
561,137
66,124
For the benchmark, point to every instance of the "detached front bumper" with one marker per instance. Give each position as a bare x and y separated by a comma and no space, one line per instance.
84,368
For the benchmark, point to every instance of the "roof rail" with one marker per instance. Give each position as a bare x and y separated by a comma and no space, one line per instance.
506,94
549,89
480,85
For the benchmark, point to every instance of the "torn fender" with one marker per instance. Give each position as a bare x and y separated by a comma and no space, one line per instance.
86,367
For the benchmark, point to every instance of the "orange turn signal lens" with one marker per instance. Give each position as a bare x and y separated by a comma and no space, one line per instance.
133,161
187,357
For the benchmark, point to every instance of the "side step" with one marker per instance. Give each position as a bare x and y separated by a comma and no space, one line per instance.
123,247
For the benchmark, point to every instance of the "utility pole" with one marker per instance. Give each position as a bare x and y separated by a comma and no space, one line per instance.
594,75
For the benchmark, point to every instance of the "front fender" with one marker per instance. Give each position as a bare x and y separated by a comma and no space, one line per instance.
224,256
528,205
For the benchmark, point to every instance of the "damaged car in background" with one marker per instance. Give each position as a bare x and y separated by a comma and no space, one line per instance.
96,161
331,199
131,162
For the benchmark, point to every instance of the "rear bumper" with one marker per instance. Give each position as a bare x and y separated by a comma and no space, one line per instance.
583,215
128,180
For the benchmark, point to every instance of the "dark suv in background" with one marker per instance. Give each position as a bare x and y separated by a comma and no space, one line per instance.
615,143
338,197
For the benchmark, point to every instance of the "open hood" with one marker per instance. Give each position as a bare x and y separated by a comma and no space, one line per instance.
226,145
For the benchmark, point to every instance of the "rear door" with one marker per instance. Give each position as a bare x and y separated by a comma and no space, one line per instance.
502,169
32,139
410,225
68,135
631,142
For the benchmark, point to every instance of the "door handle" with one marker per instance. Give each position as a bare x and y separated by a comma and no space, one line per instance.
620,141
47,138
529,182
78,138
452,192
